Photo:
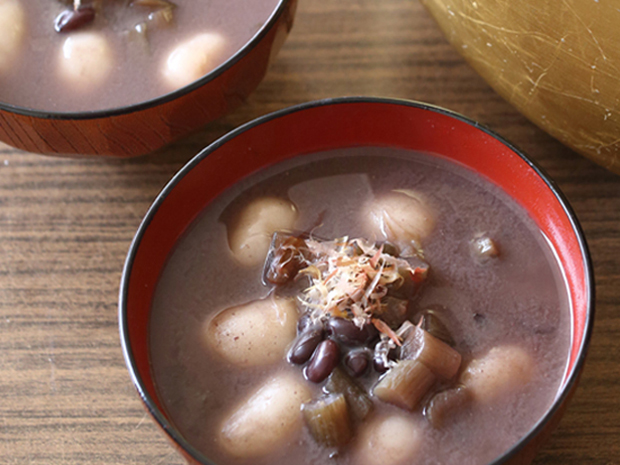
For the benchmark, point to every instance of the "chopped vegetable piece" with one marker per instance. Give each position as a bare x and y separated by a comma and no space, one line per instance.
442,359
390,249
403,331
328,420
413,275
287,255
162,18
360,404
139,35
405,384
431,322
484,248
395,311
445,403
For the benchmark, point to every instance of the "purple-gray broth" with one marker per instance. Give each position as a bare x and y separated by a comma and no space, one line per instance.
518,298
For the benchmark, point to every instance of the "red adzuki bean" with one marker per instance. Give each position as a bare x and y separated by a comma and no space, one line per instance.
357,361
305,345
323,361
70,20
347,332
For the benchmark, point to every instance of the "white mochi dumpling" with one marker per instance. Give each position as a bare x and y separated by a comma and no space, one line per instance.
267,419
401,216
193,59
255,333
392,440
249,236
501,371
12,31
86,60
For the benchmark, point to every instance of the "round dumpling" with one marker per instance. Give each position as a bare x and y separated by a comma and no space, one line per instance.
267,419
501,371
252,334
193,59
12,31
86,60
392,440
250,234
401,216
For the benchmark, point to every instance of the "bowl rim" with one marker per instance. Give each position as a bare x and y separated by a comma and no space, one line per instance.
163,98
570,378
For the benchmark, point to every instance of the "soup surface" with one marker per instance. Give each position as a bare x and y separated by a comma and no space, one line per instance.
514,297
119,52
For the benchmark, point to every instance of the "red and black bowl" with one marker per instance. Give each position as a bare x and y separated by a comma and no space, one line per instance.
341,123
144,127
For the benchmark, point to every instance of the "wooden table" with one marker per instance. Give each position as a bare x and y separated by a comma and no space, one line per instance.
66,225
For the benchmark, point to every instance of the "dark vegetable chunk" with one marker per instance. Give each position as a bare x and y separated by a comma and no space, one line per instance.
445,403
405,384
433,324
438,356
394,312
390,249
285,258
358,400
328,420
483,248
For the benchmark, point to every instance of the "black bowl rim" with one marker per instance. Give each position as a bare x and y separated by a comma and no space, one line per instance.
161,99
573,375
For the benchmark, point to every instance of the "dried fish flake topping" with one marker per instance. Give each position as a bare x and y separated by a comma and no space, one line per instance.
351,278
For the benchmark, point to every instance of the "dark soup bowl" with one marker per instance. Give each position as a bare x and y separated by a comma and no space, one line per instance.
122,79
379,279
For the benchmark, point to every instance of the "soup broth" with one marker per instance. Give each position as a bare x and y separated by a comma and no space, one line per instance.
118,52
492,279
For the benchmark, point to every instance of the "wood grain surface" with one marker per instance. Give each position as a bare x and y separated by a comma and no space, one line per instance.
66,225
